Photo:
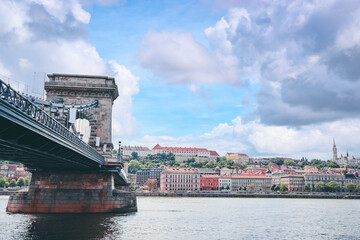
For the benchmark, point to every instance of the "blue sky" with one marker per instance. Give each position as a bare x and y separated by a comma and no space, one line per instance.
266,78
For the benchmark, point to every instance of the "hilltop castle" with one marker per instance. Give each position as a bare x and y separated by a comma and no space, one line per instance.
346,160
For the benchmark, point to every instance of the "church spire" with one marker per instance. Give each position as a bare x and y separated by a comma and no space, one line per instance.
335,158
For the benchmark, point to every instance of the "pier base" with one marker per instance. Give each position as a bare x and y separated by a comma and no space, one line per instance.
74,192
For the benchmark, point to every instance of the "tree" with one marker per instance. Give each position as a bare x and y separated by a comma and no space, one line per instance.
332,187
332,164
134,166
351,187
320,187
12,183
2,182
27,181
277,188
20,182
151,184
306,187
283,187
227,187
273,187
239,188
134,155
358,188
289,162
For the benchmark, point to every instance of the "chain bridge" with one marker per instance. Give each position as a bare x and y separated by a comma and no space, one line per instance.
65,141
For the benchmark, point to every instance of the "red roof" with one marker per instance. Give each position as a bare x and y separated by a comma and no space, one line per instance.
250,176
213,153
181,170
180,149
209,176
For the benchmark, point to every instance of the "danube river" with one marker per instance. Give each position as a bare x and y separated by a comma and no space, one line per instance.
196,218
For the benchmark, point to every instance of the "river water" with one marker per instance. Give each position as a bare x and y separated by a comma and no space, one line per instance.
196,218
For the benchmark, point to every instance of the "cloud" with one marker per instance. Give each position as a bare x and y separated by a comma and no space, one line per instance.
304,55
51,36
180,59
124,123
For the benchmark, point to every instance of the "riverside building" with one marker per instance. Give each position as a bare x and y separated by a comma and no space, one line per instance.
312,178
144,174
180,179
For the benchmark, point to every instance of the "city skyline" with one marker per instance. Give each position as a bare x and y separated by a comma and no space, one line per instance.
266,79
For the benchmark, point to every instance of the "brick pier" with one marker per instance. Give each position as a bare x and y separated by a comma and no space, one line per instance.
72,192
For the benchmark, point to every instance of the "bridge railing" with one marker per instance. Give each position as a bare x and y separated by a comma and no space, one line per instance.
23,104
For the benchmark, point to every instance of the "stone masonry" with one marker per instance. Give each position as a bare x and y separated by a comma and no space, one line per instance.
83,89
74,192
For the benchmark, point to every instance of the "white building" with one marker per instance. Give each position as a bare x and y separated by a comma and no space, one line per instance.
225,182
183,154
141,151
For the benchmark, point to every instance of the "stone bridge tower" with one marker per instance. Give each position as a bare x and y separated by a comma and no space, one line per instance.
83,89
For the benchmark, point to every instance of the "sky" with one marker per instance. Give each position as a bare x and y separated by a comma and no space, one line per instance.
265,78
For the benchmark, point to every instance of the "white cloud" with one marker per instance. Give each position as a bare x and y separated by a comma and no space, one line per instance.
124,124
44,31
180,59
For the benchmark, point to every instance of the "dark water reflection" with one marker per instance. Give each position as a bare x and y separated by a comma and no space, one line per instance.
73,226
196,218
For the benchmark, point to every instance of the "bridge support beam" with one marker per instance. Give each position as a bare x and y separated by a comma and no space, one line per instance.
72,192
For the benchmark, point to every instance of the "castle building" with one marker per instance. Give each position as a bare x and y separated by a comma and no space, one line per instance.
183,154
345,160
141,151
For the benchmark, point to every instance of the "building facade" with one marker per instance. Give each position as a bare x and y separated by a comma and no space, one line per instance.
180,179
141,151
209,182
295,182
143,175
259,182
183,154
312,178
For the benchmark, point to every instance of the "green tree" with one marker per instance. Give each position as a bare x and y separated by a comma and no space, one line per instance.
332,164
20,182
27,181
276,188
134,166
351,187
332,187
307,188
289,162
227,187
358,188
320,187
134,155
12,183
2,182
273,187
283,187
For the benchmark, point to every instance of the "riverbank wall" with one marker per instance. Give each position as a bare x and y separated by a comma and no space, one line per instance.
251,195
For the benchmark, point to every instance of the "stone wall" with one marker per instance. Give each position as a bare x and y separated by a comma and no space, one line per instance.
72,192
83,89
